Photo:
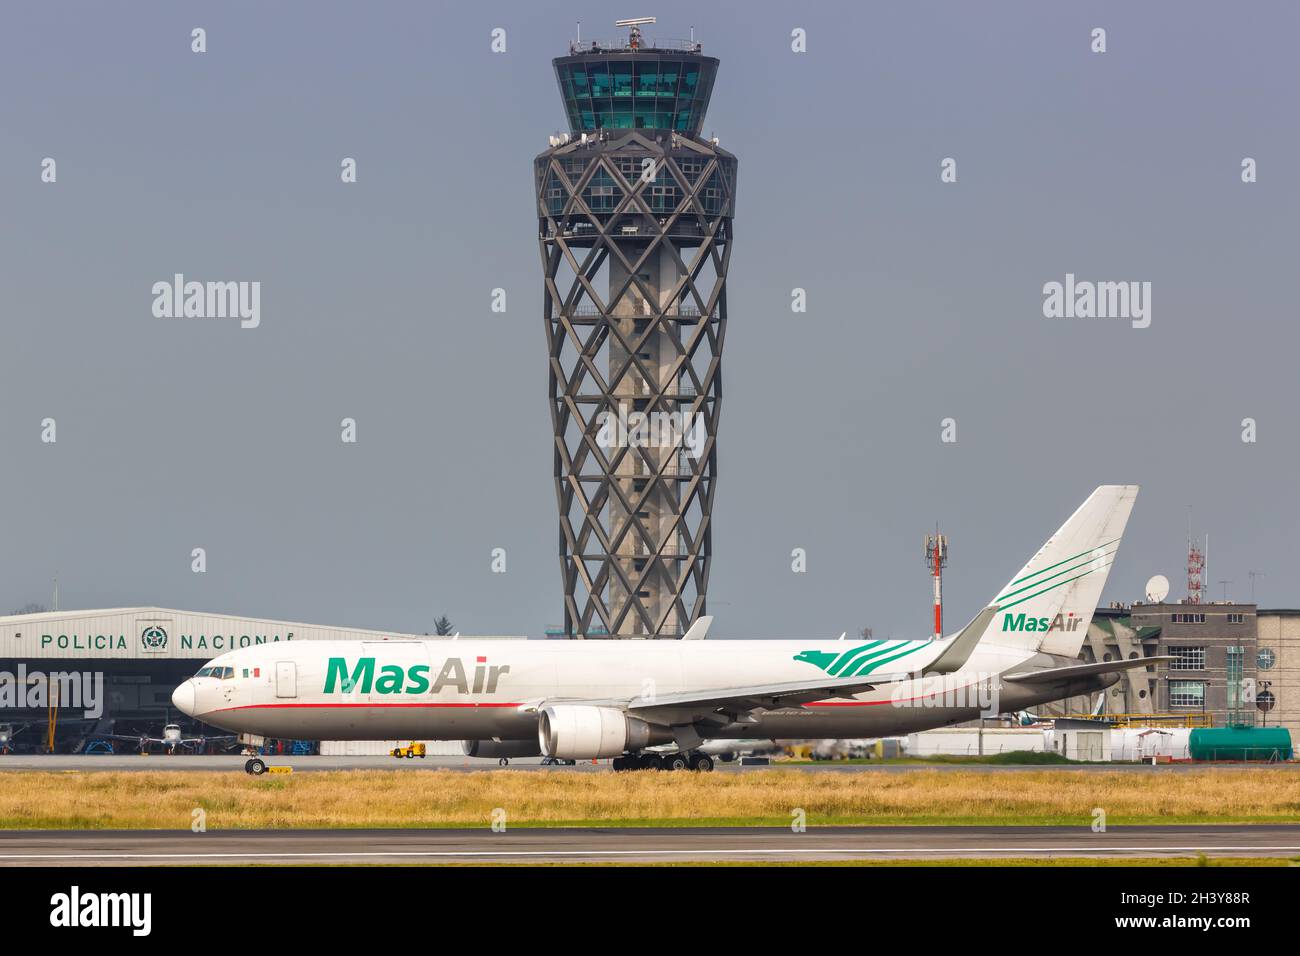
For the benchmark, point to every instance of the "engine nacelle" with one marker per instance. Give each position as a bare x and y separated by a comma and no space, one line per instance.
584,732
496,749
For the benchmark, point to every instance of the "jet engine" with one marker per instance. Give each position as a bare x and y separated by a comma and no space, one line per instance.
496,749
583,732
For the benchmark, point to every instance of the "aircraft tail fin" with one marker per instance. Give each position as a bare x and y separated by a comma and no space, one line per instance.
1048,605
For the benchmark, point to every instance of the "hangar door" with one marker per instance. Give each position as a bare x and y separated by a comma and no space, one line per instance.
286,679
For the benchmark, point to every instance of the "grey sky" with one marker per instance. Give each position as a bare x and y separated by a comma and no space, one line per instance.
924,301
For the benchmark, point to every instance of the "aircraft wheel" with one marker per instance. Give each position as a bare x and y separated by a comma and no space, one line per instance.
248,765
649,762
676,762
619,764
702,763
256,766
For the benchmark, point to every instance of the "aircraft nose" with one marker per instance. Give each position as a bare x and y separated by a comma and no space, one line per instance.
183,698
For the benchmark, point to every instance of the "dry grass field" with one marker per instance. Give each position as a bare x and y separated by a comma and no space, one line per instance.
440,798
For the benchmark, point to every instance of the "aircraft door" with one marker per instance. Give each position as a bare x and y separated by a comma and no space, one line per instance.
286,679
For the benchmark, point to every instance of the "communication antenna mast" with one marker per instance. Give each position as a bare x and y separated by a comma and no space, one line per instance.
936,559
1253,575
1195,566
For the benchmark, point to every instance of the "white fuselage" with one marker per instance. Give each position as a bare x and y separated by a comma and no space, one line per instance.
482,690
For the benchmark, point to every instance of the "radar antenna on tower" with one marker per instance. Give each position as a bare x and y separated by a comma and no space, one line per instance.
634,35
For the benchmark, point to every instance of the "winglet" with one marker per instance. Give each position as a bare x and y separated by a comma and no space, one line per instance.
959,649
699,630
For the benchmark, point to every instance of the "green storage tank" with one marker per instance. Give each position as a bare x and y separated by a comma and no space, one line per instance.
1240,743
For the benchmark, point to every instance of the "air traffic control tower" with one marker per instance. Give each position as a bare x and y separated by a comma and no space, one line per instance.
635,215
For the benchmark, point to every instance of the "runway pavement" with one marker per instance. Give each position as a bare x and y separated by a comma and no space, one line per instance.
624,845
66,763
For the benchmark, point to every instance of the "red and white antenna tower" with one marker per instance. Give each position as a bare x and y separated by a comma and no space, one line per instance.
936,559
1195,568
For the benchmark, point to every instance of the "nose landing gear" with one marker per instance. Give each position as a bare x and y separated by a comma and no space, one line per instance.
254,766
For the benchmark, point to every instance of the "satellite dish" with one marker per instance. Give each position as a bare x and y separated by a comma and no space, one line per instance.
1157,589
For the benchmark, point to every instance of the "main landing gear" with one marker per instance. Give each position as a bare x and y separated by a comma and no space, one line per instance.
694,760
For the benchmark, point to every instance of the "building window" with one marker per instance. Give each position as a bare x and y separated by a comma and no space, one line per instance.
1187,659
1186,693
1235,665
1265,659
1235,618
1188,618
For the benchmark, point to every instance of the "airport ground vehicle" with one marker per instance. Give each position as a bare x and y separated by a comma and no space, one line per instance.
414,749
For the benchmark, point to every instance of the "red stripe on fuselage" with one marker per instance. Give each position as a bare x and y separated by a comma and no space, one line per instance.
343,704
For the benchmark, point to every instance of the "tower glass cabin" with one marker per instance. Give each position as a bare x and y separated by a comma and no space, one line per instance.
635,215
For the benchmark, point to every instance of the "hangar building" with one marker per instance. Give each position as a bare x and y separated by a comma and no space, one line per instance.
142,654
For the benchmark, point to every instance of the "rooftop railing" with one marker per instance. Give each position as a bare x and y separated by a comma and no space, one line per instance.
624,45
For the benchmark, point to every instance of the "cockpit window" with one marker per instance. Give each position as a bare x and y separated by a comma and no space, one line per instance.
220,673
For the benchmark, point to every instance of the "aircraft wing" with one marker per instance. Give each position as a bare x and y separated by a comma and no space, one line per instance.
732,703
1053,674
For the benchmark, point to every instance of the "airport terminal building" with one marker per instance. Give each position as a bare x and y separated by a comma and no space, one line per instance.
142,654
1232,664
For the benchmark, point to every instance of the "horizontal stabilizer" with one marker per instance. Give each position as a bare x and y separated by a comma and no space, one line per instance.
1053,674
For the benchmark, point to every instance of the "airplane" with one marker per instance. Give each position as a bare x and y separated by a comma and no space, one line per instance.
7,734
171,739
585,700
